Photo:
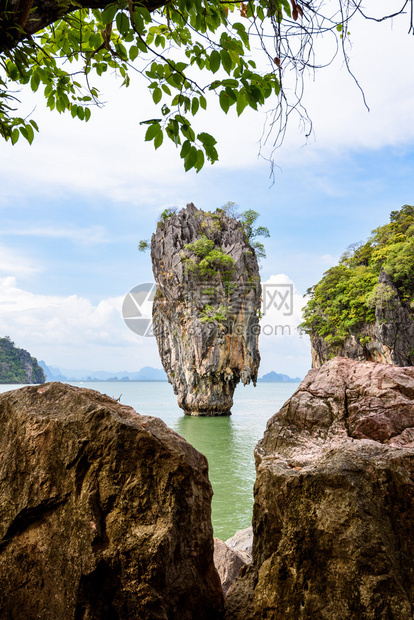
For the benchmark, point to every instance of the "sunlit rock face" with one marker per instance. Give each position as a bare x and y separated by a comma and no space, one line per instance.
390,340
104,513
205,311
334,501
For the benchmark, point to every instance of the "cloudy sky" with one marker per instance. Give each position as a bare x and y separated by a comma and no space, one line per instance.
75,204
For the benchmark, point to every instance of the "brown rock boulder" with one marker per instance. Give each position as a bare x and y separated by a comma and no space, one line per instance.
104,514
334,500
228,563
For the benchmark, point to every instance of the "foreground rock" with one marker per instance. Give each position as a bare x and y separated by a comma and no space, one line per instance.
205,311
231,556
334,501
242,542
104,514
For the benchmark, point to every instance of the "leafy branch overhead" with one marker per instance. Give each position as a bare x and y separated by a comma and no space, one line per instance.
184,50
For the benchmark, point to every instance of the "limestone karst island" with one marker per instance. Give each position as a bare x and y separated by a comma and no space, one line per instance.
206,307
106,514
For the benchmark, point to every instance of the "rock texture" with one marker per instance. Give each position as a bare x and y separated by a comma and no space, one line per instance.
334,501
390,340
231,556
17,365
228,563
104,514
205,314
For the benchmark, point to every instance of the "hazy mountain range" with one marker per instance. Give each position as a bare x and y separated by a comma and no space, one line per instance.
55,373
274,377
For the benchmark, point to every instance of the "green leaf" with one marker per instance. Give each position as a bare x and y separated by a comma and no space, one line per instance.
95,40
241,102
214,84
224,101
211,152
241,31
152,131
157,95
191,158
29,133
109,13
158,139
203,102
214,61
133,52
141,45
139,22
230,82
194,106
200,160
15,135
145,13
185,149
226,61
188,132
34,82
206,139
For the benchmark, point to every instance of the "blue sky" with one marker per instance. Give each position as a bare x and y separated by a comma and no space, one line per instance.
75,204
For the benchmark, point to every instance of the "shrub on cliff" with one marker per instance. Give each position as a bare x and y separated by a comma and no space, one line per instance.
17,365
347,295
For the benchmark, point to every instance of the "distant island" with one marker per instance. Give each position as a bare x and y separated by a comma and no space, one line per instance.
17,365
273,377
148,373
54,373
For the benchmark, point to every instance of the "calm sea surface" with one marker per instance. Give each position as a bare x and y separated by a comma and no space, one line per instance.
227,442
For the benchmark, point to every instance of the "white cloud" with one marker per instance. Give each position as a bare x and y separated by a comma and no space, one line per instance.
91,235
282,348
72,331
12,261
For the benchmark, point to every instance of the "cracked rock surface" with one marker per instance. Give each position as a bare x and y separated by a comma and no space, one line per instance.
334,501
104,513
205,321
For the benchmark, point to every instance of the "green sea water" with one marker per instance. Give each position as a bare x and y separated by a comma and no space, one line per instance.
227,442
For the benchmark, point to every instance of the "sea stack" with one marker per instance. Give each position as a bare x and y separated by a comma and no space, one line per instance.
206,308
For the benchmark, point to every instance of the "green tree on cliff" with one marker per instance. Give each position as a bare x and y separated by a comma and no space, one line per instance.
348,293
183,49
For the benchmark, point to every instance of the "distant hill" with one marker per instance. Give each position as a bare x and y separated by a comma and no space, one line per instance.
54,373
17,365
273,377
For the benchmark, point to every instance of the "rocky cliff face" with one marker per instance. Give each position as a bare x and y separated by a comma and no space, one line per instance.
104,514
205,311
390,340
334,501
17,365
